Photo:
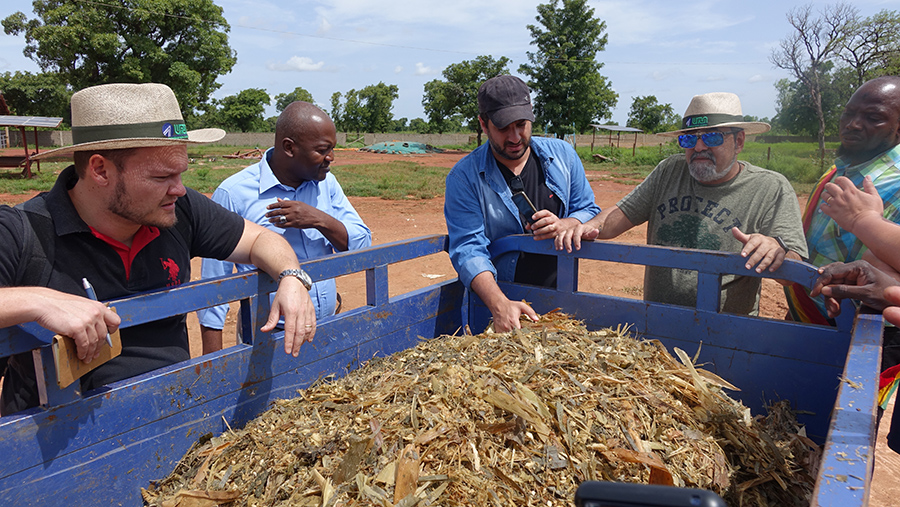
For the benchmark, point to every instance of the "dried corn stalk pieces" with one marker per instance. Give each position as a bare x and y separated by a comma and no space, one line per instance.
505,419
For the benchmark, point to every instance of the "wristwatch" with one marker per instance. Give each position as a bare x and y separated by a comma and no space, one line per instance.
781,244
299,274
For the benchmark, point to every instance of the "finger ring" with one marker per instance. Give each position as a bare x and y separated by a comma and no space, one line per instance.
830,197
309,325
282,219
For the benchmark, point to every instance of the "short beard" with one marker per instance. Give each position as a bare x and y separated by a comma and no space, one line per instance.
497,149
857,157
122,206
705,171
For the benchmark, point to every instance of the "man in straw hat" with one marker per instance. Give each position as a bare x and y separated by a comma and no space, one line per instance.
121,220
708,199
485,199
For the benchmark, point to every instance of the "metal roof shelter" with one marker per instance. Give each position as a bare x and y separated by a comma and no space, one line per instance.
22,122
618,129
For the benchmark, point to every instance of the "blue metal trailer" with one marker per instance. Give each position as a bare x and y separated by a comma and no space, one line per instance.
101,447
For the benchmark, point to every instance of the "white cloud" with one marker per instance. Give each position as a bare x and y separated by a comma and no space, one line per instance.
297,64
757,78
423,70
398,69
324,27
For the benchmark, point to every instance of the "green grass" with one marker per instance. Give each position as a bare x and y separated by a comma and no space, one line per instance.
798,162
395,180
403,179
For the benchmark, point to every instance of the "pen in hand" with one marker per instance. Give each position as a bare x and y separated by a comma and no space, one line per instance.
93,295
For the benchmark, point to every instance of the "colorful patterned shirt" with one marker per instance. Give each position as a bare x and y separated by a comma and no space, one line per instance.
829,243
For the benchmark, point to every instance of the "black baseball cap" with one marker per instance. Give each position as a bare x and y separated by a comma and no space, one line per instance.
505,99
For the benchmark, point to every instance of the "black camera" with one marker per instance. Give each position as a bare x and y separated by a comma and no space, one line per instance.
623,494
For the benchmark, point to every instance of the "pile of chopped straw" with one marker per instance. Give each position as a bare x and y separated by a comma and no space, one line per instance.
502,419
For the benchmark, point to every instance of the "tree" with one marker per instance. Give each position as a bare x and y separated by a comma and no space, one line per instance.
378,102
399,124
871,45
650,116
244,112
418,125
42,94
795,112
564,72
181,44
459,93
440,101
283,100
366,110
813,43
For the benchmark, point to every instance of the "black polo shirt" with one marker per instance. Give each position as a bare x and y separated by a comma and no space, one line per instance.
203,229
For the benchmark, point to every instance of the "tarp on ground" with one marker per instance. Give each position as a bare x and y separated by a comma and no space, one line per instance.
402,148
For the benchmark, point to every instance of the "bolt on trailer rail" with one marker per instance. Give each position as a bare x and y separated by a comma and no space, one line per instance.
102,446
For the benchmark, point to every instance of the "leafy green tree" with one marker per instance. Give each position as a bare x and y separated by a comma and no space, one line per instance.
399,125
244,111
337,112
795,110
650,116
42,94
379,100
564,71
871,45
440,101
418,125
181,44
814,42
283,100
366,110
458,94
348,117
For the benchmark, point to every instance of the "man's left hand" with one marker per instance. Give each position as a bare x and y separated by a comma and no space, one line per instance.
285,213
549,226
293,302
763,251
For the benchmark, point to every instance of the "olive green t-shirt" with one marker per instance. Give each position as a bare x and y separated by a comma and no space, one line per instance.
683,212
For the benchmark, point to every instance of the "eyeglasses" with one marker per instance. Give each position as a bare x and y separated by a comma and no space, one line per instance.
516,184
710,139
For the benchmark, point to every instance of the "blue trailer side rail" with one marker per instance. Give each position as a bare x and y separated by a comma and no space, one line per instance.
105,444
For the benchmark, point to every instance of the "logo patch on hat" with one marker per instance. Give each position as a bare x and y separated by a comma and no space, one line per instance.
177,130
696,121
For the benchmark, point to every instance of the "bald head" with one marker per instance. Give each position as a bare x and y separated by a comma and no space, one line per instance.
299,119
870,123
305,138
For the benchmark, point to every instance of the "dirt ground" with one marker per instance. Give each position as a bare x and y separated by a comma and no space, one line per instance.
398,220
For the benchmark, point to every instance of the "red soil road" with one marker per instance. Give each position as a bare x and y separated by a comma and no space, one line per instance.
398,220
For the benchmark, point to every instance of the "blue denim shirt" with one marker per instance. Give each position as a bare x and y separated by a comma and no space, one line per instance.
479,209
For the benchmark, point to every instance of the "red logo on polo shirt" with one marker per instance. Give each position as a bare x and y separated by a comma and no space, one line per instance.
172,267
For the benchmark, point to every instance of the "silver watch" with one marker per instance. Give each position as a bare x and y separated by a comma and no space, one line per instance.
299,274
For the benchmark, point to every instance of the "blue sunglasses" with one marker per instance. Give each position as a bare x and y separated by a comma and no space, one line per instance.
710,139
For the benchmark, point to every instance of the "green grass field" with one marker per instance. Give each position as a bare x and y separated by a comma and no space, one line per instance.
405,179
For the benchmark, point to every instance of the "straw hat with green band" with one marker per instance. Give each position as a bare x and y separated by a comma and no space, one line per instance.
719,109
120,115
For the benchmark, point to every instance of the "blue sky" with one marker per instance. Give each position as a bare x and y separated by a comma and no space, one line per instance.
672,50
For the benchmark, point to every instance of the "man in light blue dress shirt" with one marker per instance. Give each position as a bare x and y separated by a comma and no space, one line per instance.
291,191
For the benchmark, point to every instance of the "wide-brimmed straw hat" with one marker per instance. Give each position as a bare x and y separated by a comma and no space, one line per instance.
718,109
121,115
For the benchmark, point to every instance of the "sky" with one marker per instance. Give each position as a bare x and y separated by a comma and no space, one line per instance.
672,50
